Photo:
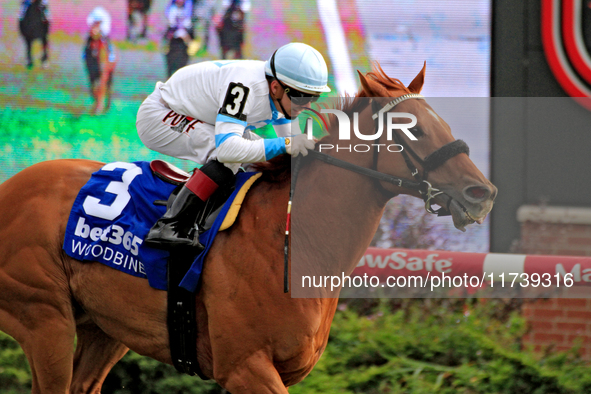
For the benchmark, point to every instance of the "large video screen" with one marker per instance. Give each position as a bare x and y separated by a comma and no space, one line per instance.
47,109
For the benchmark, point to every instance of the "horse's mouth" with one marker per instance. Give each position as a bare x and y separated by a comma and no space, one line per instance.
462,216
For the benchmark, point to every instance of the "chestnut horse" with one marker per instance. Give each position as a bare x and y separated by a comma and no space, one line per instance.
252,337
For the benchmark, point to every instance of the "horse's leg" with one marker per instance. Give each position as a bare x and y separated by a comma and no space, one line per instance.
100,92
48,347
255,375
48,343
45,56
145,24
94,88
35,303
109,91
129,20
29,44
96,353
170,60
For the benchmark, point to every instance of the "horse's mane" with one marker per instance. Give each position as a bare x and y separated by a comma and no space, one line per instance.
394,87
278,168
381,85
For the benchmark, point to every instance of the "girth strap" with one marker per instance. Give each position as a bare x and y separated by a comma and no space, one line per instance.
181,319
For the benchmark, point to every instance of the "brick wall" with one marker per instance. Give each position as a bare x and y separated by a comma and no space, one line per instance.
559,323
555,238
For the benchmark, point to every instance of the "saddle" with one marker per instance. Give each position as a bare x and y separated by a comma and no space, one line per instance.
168,172
174,175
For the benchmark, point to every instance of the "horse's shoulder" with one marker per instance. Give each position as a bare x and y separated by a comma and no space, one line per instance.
53,174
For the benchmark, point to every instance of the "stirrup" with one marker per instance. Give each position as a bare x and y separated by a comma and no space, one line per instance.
164,236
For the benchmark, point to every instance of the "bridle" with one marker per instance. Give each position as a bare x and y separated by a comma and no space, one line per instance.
428,164
420,183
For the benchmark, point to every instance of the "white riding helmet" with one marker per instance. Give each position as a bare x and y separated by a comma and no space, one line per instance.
99,14
299,66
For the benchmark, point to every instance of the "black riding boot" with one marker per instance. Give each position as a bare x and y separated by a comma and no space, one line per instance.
177,226
174,227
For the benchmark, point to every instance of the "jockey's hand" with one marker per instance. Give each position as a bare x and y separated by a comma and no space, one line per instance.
297,144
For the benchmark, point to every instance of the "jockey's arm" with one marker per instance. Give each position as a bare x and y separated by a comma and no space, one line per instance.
233,148
285,129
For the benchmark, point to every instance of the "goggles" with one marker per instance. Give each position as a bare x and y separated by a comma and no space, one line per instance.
302,98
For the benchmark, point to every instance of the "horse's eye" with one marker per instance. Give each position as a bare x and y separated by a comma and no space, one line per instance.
417,131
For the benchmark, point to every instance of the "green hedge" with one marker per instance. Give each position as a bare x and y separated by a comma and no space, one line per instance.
15,375
418,351
414,350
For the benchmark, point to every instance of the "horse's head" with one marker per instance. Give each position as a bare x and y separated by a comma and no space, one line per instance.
441,161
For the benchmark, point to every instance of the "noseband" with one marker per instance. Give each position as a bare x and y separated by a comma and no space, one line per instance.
428,164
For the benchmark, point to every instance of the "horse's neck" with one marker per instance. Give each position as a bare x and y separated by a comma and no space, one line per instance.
336,213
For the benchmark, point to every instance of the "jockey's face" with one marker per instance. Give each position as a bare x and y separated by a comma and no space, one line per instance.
95,30
292,109
296,109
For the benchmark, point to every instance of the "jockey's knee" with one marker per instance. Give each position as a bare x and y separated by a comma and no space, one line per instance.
218,173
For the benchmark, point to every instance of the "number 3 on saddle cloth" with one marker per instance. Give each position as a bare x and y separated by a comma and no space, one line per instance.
114,211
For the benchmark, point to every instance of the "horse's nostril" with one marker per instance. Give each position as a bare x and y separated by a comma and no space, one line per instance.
477,192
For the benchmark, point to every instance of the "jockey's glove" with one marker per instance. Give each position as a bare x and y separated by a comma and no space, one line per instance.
297,144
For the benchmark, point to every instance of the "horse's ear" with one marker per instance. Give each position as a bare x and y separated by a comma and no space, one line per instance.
417,84
364,83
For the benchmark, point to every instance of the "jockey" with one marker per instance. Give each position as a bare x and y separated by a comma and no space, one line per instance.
179,34
206,113
100,58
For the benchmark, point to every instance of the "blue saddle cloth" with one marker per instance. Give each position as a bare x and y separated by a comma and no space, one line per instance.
113,213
